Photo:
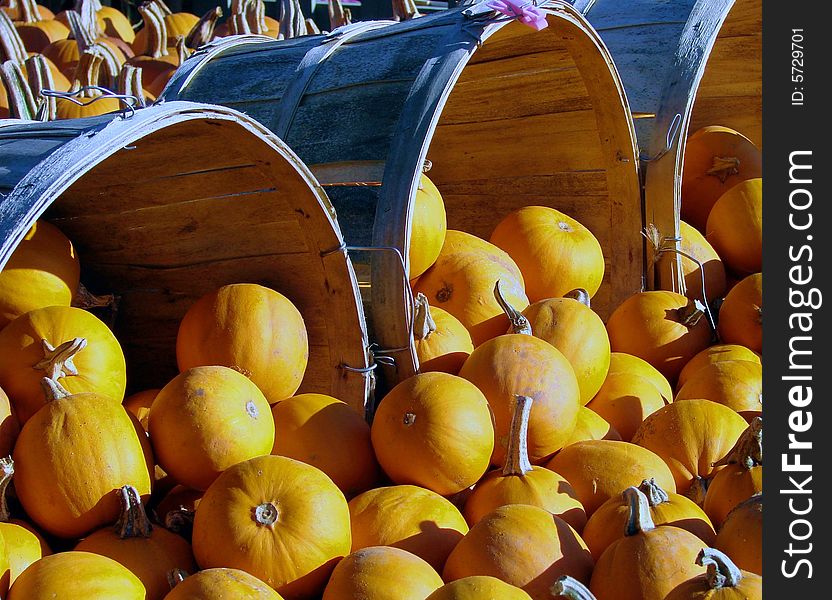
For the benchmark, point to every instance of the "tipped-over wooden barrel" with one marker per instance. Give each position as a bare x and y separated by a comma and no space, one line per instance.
175,201
508,117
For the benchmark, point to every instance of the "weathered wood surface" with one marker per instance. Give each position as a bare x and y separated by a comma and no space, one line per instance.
174,202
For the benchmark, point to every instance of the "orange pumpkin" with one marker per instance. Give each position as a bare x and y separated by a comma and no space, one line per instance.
148,552
478,587
42,271
738,384
609,522
461,281
442,343
115,24
434,430
36,30
207,419
716,159
741,314
741,535
326,433
621,362
9,425
525,546
221,584
664,328
250,328
624,401
139,404
87,76
555,252
601,469
428,226
697,248
591,426
382,573
722,581
407,517
175,25
521,483
714,354
735,227
276,518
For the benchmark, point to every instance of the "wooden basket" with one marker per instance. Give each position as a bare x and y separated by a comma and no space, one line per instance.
174,201
508,117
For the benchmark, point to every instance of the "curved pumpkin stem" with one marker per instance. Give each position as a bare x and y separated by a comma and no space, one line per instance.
40,78
157,30
724,166
697,490
748,451
517,452
570,587
88,12
655,494
18,91
337,15
59,362
255,13
130,84
690,313
175,577
53,390
423,323
292,23
180,521
133,521
203,32
579,294
722,572
519,323
639,519
6,474
404,10
29,11
11,45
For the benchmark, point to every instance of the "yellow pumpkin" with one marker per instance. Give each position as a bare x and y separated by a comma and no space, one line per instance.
591,426
735,227
222,584
428,225
478,587
714,354
624,401
36,30
442,343
694,245
722,581
738,384
9,425
621,362
741,314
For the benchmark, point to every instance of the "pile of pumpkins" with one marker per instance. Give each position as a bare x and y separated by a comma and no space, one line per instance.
538,453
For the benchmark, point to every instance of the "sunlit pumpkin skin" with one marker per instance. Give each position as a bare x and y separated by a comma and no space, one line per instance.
722,581
176,24
694,244
382,573
326,433
461,282
621,362
5,567
9,425
609,522
741,314
714,354
651,325
71,456
434,430
222,584
624,401
591,426
251,328
38,35
42,271
279,519
139,404
427,227
738,384
207,419
735,227
70,110
148,552
579,333
525,546
741,160
478,587
522,364
99,364
691,436
649,561
555,252
72,575
601,469
442,343
114,23
407,517
741,535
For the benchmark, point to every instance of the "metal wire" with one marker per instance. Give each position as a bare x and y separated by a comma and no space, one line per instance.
130,102
671,135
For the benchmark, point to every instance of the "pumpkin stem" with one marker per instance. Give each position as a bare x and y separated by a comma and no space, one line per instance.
292,23
690,313
88,12
655,494
182,51
724,166
29,12
175,577
6,474
11,45
696,492
130,84
180,521
423,324
133,521
255,14
80,30
748,451
519,323
337,17
404,10
312,27
18,91
157,30
83,297
639,519
203,32
59,362
722,572
517,452
266,514
579,294
571,588
40,78
53,390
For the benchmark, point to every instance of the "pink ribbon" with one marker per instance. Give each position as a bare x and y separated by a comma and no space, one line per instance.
522,10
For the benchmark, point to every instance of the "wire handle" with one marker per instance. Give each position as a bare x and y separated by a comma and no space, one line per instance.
672,131
130,102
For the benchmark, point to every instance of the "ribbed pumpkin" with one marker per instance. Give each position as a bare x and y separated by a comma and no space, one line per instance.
36,30
609,522
625,400
722,581
461,282
158,48
279,519
738,384
94,102
478,587
621,362
714,354
741,314
176,24
741,535
148,552
428,226
434,430
222,584
716,159
42,271
691,436
407,517
207,419
555,252
694,244
73,575
9,425
382,573
250,328
571,326
664,328
67,344
326,433
735,227
648,561
521,483
742,476
442,343
591,426
525,546
139,404
70,458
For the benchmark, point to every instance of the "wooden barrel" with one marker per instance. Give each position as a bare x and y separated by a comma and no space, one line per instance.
178,200
685,64
508,117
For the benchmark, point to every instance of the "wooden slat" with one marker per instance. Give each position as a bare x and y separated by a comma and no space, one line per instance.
568,183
